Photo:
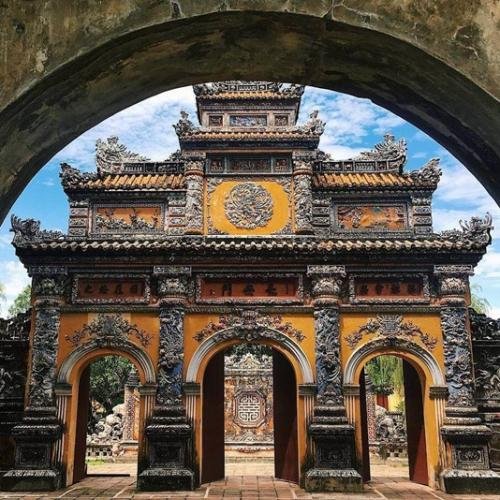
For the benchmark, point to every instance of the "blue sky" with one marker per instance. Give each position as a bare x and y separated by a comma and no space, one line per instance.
353,125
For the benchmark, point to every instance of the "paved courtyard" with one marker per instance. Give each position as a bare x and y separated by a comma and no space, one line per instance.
241,487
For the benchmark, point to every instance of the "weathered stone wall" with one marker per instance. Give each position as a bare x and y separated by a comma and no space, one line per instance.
65,66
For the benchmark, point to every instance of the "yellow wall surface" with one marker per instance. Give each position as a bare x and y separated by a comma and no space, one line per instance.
217,220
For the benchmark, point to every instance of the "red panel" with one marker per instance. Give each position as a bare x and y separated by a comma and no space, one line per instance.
365,466
417,453
79,467
286,464
212,465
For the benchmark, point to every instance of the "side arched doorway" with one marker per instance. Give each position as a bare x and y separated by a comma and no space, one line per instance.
424,400
284,397
73,402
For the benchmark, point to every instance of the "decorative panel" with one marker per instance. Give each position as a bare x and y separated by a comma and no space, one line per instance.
247,120
250,207
371,217
245,164
110,289
389,288
249,288
281,120
215,120
127,219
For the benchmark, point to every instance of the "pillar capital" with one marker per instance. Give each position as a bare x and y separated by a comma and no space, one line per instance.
326,283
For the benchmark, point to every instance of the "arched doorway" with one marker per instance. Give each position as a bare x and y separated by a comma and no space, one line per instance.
284,417
424,393
72,392
393,428
107,419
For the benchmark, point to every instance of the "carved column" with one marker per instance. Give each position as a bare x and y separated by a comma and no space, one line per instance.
37,466
332,436
169,434
194,197
302,195
466,438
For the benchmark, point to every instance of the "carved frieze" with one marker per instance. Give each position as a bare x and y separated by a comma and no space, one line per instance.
45,286
249,206
108,330
390,326
458,356
28,230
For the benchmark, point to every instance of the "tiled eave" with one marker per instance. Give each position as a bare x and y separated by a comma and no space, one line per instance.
346,181
251,246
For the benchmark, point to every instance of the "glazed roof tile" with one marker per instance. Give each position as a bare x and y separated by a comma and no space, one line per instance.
238,134
356,180
209,244
135,182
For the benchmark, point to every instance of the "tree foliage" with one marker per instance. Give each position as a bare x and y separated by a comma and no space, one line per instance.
22,302
107,380
386,374
477,302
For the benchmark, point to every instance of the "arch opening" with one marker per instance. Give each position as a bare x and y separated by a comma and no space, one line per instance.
364,62
249,406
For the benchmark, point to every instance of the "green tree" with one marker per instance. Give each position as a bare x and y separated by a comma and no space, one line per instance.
386,374
477,302
22,302
107,380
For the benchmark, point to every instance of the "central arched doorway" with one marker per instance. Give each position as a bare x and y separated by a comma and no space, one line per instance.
284,418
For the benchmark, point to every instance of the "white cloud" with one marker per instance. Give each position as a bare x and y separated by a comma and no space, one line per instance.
5,240
14,278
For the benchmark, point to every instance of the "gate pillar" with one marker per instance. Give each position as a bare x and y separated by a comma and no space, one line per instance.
333,449
37,465
465,436
169,434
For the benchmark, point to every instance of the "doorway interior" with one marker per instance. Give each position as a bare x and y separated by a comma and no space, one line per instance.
392,421
249,417
107,426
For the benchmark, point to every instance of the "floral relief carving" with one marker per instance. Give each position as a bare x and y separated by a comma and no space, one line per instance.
390,326
108,330
250,325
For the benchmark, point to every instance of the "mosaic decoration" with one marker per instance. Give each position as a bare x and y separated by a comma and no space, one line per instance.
127,219
390,326
370,217
248,206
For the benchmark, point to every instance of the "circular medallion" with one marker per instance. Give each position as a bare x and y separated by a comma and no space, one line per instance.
248,206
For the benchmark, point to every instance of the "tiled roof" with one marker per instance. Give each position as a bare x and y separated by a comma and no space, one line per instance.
238,134
310,245
369,180
135,181
258,94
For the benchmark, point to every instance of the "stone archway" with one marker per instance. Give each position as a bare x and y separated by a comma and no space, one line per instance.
289,362
426,377
68,400
68,67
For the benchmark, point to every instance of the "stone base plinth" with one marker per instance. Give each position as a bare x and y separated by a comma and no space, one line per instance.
157,479
346,480
473,481
31,480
